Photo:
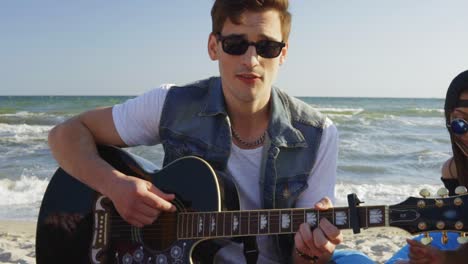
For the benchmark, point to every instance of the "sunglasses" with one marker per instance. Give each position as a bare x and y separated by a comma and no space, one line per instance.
238,45
458,126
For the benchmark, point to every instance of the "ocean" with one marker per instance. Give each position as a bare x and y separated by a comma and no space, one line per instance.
389,148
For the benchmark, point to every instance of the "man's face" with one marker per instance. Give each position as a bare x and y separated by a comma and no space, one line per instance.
248,77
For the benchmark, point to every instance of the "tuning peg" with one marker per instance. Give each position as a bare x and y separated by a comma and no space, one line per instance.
444,238
462,239
461,190
443,192
426,240
425,193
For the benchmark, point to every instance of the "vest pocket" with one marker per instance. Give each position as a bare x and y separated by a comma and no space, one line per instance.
178,148
289,189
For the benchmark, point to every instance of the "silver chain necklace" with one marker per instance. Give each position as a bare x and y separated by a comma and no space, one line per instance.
257,142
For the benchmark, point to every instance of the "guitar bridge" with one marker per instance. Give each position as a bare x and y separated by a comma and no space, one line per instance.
101,230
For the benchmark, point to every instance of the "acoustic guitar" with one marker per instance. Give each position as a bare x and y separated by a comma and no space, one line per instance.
78,225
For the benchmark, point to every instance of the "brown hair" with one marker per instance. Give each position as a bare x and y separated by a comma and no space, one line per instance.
233,9
456,88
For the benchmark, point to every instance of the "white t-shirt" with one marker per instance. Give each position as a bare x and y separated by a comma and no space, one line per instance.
137,122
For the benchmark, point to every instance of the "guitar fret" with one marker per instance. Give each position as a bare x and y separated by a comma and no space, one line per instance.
311,217
329,215
228,224
291,218
206,225
253,223
375,216
199,225
318,217
268,222
248,222
193,232
274,222
298,217
235,223
180,221
341,218
285,221
333,216
349,222
224,230
185,226
186,232
264,222
367,217
244,223
305,216
259,222
212,226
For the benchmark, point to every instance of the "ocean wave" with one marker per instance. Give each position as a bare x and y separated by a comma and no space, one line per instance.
33,118
339,111
24,191
23,133
380,194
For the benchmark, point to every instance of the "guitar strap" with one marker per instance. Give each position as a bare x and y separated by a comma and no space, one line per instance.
250,249
232,203
206,250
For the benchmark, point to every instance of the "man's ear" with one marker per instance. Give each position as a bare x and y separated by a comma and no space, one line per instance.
213,47
283,54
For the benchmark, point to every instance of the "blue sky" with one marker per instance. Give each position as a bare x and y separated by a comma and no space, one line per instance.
359,48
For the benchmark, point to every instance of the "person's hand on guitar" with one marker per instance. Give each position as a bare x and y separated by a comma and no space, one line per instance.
419,253
138,201
317,245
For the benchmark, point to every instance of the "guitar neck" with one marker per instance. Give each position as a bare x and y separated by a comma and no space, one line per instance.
197,225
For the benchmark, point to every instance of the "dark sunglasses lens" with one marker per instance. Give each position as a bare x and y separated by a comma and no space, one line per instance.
269,49
235,46
459,126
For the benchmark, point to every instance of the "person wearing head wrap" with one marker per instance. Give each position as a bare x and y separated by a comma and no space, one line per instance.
454,174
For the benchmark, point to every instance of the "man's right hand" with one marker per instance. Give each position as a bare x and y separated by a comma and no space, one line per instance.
138,201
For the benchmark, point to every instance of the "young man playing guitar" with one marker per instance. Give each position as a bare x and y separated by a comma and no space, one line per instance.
280,152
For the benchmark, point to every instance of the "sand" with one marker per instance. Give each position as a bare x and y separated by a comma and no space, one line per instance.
17,242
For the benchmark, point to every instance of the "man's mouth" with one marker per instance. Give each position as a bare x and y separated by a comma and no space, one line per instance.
248,76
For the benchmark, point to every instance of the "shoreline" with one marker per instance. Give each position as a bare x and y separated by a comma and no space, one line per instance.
17,242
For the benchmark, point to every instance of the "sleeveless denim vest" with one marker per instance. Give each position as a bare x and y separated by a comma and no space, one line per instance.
194,121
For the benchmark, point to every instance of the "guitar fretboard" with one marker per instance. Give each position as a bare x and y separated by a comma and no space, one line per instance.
197,225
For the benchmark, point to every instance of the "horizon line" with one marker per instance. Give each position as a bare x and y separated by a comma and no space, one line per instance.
133,95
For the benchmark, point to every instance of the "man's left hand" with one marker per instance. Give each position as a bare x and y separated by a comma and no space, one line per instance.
321,241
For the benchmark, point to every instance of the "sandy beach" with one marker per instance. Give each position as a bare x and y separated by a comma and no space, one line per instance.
17,242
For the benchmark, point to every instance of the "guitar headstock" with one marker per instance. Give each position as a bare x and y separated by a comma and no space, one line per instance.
421,215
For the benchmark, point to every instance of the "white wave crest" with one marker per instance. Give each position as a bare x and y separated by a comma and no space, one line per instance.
380,194
23,132
25,191
353,111
23,114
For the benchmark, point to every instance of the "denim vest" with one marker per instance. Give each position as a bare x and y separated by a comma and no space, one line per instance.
194,121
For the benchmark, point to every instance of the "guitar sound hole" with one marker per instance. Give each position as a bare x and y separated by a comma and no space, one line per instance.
162,233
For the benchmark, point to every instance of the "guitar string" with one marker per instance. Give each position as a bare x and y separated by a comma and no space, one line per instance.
243,217
297,212
155,229
152,230
214,234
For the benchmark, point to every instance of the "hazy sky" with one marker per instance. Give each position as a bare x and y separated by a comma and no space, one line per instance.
363,48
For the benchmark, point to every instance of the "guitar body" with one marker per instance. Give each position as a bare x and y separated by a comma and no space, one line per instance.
78,225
